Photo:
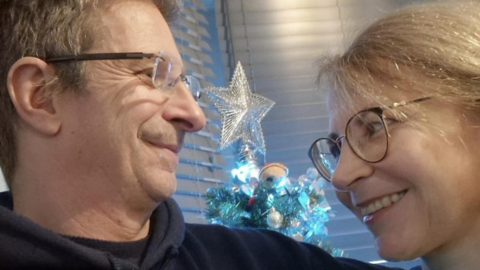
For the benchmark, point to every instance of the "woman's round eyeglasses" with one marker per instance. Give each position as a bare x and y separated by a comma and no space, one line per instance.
367,135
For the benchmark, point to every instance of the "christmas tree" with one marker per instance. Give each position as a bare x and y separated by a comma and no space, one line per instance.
263,196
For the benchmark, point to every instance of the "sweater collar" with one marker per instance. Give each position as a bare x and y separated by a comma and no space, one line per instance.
18,235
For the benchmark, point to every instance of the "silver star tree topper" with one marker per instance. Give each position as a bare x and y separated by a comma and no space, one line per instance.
241,110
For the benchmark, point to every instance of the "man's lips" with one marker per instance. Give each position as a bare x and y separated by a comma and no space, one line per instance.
174,149
157,142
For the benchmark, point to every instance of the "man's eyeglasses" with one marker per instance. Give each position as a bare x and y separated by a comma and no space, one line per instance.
366,133
163,74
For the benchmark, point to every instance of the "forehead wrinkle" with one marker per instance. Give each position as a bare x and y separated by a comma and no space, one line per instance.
141,63
124,19
111,67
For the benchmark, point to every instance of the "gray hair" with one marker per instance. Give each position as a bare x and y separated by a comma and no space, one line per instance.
48,28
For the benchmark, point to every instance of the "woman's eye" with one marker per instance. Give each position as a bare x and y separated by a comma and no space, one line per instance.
391,121
374,127
335,151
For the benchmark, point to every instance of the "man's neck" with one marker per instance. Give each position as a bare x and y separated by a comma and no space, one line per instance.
89,214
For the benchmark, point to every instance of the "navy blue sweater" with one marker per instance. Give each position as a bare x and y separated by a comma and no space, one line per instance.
172,244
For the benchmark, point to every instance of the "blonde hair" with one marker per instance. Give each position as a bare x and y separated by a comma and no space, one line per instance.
430,49
43,29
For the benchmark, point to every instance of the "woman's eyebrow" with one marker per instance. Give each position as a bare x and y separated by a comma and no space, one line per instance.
333,136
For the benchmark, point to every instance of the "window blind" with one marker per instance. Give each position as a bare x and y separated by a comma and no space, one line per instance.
278,43
201,165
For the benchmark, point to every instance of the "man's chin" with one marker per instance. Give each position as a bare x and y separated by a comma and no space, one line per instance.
161,189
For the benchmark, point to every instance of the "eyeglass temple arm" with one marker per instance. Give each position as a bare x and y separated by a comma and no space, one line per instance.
404,103
100,56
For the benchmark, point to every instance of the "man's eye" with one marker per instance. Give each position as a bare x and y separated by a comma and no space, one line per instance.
172,82
147,73
146,76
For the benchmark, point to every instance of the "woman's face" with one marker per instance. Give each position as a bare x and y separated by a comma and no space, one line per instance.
423,199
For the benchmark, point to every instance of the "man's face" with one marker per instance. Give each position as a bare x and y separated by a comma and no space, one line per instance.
124,133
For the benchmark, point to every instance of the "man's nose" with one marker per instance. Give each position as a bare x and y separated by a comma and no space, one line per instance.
183,109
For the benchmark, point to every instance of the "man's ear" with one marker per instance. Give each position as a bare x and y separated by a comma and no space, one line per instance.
26,82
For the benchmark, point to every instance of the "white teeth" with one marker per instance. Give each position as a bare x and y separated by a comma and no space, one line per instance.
370,208
378,205
386,201
395,198
382,203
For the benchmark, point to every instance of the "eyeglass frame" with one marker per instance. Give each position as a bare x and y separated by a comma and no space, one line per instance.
123,56
378,111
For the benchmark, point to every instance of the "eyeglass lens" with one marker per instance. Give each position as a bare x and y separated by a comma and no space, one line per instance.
163,74
167,76
367,136
194,86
